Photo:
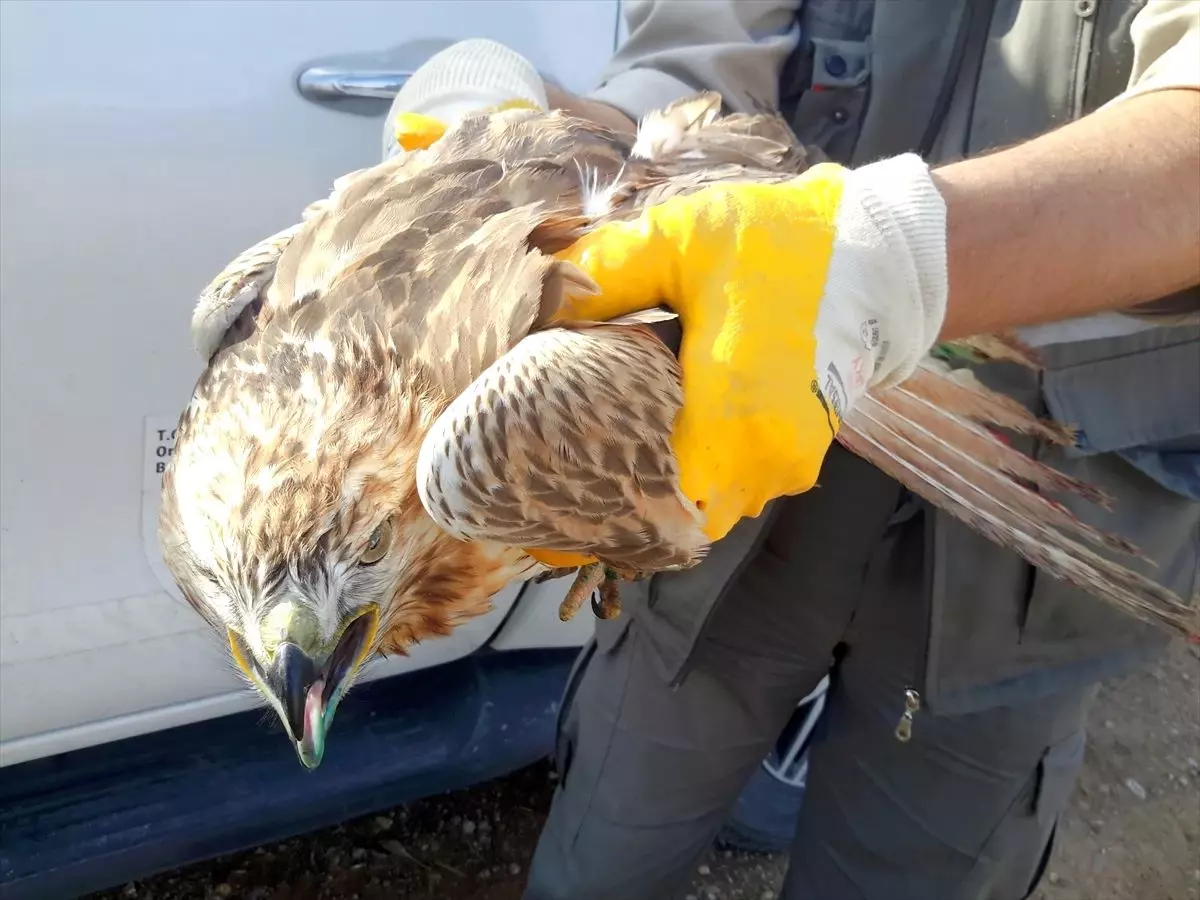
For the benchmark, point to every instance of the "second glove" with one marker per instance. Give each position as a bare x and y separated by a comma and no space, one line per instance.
470,76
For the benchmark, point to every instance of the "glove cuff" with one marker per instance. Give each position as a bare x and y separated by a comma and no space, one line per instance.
469,76
909,286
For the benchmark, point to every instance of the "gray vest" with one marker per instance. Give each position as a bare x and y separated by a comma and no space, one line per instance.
869,80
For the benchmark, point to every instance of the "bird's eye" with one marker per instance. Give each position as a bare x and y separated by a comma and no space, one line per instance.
378,544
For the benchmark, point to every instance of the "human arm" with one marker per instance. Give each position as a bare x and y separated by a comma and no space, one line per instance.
592,110
1117,193
674,49
1097,216
678,48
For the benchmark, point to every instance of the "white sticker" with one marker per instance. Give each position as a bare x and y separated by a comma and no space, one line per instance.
159,445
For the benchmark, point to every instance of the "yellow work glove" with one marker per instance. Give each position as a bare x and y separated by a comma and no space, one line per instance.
470,76
794,298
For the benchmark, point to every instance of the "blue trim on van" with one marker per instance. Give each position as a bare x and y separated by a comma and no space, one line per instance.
106,815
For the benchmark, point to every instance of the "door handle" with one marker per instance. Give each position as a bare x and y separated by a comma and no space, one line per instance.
329,84
365,83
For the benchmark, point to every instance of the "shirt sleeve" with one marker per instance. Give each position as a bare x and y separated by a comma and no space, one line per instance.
680,47
1166,47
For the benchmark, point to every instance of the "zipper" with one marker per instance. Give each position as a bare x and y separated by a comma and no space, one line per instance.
912,704
1085,11
941,106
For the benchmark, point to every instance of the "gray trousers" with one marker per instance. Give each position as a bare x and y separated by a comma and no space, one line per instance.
649,772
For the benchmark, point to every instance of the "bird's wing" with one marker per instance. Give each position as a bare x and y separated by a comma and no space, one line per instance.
564,444
229,305
232,300
439,247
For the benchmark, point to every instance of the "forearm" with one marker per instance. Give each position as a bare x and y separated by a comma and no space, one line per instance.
1099,215
593,110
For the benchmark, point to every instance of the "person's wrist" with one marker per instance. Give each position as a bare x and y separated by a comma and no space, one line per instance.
592,110
471,76
893,212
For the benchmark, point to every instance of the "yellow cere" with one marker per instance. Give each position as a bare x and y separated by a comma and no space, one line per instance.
289,620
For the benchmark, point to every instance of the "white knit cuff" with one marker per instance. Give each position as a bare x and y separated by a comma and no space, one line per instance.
909,215
466,77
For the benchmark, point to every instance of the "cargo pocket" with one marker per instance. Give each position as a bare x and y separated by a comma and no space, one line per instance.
1057,771
1140,444
1012,860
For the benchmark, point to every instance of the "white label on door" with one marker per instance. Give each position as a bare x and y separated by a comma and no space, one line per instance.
159,444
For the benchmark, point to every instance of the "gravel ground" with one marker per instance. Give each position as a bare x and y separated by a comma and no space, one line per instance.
1132,830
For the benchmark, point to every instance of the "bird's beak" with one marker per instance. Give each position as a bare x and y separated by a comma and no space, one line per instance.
294,680
307,690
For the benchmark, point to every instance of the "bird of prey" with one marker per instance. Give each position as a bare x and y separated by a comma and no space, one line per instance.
393,424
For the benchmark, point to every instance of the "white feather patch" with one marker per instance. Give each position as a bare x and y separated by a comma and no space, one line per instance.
215,314
597,200
657,136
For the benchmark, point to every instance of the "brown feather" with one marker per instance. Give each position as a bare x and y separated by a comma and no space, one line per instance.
961,392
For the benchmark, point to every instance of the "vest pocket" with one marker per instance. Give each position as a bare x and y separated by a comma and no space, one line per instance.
824,86
1142,401
830,120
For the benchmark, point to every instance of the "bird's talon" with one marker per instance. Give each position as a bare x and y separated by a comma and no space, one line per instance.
607,605
587,579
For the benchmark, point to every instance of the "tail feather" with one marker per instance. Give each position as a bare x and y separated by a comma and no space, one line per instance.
1007,513
980,449
999,347
976,465
960,392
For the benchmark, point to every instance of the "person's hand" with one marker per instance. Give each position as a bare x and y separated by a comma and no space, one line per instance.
794,299
470,76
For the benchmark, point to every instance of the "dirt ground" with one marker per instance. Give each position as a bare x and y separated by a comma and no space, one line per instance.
1132,831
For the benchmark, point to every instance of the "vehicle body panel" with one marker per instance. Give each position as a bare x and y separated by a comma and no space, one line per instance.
142,146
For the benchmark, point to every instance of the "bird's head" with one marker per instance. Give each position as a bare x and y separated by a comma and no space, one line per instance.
292,524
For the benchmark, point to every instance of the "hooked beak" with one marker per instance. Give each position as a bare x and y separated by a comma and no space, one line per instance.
306,691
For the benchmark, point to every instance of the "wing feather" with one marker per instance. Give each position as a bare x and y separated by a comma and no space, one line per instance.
564,444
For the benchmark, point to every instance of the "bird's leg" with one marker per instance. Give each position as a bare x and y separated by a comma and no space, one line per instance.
554,573
587,579
595,576
608,604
